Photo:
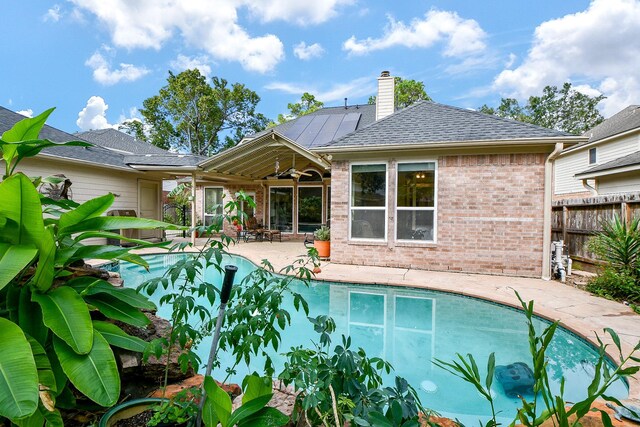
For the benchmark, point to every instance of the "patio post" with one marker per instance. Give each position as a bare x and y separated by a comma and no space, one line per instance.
193,207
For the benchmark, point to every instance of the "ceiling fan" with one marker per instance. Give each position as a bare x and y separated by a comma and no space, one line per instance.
292,171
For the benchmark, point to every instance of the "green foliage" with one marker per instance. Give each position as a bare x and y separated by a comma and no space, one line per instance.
563,109
49,339
308,104
190,114
134,128
323,233
407,92
253,411
618,245
178,410
346,385
546,404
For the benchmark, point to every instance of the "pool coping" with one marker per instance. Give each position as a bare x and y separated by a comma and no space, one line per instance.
490,288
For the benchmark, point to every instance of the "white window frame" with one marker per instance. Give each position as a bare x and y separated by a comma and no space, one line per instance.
403,208
305,185
383,208
204,201
242,203
327,209
595,151
294,226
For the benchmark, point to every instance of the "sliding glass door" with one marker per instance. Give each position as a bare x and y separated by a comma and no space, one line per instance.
281,209
309,209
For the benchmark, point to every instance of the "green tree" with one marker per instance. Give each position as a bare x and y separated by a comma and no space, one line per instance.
407,92
134,128
193,115
563,109
308,104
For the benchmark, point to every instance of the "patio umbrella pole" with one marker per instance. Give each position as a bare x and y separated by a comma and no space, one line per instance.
227,283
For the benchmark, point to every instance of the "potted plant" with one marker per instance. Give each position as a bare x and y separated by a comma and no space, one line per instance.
322,241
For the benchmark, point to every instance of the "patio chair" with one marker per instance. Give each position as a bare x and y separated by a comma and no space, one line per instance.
254,230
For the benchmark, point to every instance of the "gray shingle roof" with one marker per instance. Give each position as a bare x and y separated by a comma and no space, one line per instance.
324,125
97,154
623,121
116,140
425,122
168,159
628,160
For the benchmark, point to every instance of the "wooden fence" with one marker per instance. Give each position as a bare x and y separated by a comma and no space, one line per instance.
576,220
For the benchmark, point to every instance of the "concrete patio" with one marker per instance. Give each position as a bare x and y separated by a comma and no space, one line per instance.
577,310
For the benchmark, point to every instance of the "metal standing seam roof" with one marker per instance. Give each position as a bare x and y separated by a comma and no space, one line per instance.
632,159
425,122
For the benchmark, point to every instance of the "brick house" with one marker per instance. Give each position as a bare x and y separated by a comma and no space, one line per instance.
429,187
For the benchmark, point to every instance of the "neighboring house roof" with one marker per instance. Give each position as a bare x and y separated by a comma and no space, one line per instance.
621,122
97,155
324,125
116,140
622,164
429,122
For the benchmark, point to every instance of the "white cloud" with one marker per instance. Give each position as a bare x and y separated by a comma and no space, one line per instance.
357,88
53,14
27,113
103,74
598,45
296,11
183,62
94,115
461,36
304,52
511,60
150,23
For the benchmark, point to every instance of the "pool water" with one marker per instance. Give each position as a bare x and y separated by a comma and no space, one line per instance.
409,328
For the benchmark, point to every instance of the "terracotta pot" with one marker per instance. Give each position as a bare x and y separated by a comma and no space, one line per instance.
323,247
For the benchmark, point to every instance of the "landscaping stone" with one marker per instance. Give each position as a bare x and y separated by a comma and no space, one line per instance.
283,399
233,390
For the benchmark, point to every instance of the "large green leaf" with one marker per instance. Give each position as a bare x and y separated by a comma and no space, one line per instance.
217,403
18,373
267,417
91,286
13,258
30,317
114,308
67,315
256,387
112,235
46,376
249,408
119,338
115,223
94,374
90,209
28,128
22,210
46,260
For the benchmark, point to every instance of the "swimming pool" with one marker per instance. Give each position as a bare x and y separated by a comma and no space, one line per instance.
411,327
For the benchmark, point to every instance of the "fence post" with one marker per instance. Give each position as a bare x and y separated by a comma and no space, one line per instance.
625,213
565,218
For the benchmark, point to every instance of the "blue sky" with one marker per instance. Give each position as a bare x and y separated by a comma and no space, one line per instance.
97,60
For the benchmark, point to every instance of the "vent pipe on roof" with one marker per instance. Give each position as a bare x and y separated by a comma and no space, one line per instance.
345,103
385,101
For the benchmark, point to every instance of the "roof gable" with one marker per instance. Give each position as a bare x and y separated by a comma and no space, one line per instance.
429,122
116,140
622,121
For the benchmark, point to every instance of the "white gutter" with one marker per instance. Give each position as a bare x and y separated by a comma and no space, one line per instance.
592,190
450,144
612,171
546,222
86,162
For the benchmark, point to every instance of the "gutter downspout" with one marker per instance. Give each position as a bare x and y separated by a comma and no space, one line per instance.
193,207
546,222
592,190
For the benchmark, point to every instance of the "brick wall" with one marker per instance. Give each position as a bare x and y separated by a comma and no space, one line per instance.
489,218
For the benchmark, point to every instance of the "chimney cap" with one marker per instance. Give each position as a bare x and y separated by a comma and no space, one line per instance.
385,74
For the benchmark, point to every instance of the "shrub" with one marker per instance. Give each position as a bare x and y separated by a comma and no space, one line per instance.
615,285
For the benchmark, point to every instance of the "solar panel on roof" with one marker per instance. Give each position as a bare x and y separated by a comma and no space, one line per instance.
327,132
293,133
311,131
349,124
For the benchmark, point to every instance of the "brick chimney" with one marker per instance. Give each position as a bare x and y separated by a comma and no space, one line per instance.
385,101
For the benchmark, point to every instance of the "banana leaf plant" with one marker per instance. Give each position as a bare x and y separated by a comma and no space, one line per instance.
49,339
